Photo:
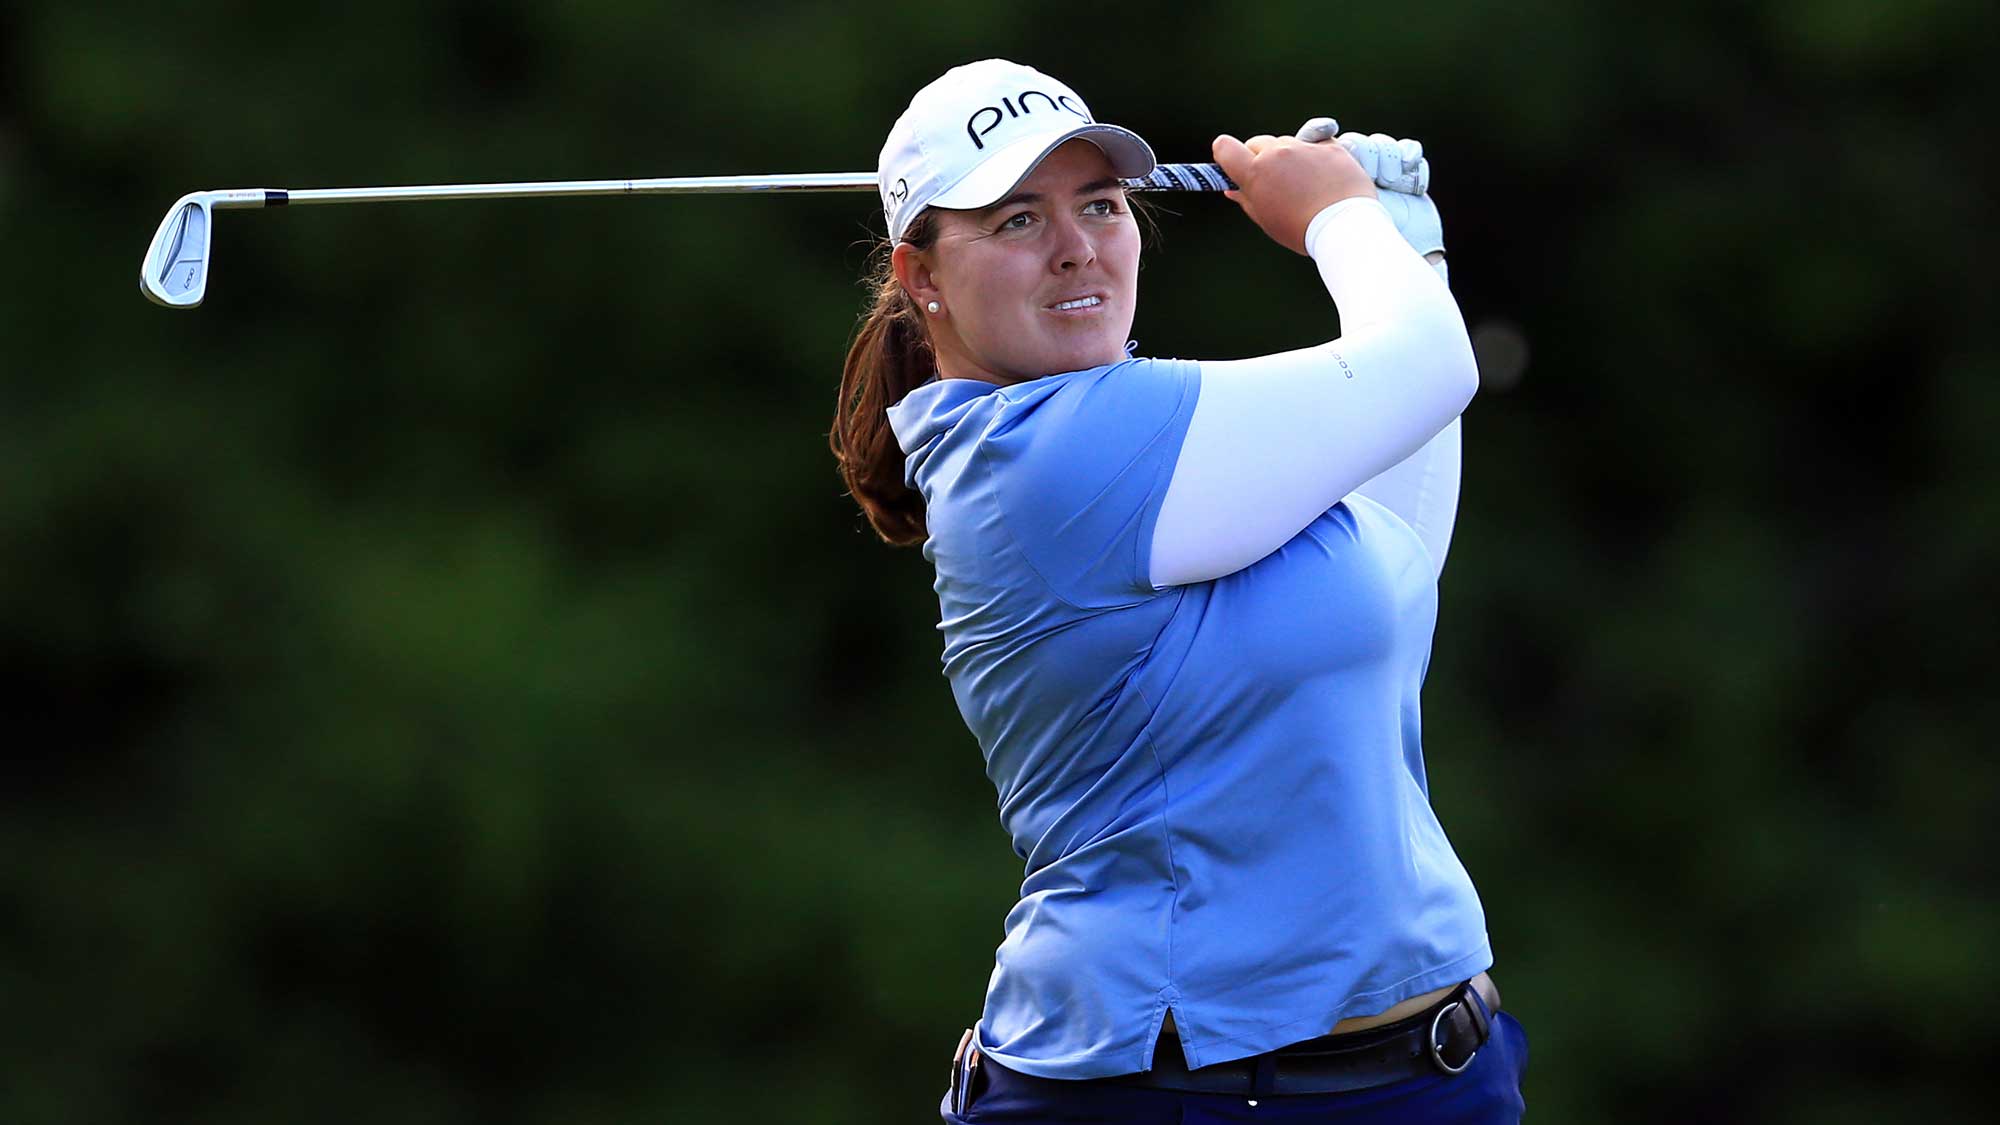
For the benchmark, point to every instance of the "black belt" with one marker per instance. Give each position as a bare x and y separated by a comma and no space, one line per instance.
1442,1039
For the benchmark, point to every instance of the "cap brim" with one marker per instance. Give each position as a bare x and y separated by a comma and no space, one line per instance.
998,174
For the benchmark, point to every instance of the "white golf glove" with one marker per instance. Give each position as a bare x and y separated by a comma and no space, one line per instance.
1400,170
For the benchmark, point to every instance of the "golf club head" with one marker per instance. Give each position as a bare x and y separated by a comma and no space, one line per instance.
175,270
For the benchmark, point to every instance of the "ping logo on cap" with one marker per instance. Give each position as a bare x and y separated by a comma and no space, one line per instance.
1014,116
973,128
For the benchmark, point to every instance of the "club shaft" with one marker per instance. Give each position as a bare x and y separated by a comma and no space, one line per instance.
174,271
1165,177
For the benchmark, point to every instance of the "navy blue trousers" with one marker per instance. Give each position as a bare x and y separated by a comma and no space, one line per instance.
1487,1093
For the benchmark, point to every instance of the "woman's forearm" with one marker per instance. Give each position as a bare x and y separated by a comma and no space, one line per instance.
1275,441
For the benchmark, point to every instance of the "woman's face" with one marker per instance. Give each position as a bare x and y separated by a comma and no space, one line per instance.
1003,276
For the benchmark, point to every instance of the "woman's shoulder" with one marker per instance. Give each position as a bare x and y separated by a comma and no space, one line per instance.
1058,421
1114,394
1062,476
1133,371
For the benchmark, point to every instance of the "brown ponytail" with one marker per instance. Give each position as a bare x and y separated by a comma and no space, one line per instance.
890,356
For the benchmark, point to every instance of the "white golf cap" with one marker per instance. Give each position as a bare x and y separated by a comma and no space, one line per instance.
978,130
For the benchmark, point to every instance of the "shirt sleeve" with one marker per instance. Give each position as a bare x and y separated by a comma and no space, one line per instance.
1080,470
1279,439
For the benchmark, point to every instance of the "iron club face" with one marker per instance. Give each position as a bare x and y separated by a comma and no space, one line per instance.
174,271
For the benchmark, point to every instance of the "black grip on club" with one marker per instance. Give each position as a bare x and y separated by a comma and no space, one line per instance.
1183,177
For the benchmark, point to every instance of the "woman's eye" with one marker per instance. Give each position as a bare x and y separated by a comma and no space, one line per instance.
1018,222
1101,207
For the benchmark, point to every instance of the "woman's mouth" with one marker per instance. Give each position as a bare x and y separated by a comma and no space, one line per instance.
1078,304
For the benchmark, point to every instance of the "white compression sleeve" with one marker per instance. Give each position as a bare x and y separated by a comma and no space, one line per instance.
1423,488
1275,441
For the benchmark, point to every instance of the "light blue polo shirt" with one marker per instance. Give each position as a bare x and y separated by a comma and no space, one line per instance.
1218,788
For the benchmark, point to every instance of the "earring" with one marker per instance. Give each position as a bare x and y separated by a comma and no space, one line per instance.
933,306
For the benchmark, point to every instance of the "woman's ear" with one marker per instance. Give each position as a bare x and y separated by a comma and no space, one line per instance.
914,274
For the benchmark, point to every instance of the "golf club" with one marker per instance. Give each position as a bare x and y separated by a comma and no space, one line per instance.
174,272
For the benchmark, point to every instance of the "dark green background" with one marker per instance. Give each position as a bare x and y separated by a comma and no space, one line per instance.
448,684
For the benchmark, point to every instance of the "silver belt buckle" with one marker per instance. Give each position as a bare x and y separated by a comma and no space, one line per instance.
1437,1056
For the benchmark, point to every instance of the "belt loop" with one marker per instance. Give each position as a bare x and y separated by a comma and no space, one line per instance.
1265,1079
1482,1016
956,1092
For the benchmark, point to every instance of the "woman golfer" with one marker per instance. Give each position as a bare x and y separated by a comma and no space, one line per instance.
1187,610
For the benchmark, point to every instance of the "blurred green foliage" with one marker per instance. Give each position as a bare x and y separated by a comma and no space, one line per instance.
450,685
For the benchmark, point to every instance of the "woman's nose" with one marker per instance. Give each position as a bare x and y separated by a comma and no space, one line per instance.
1074,247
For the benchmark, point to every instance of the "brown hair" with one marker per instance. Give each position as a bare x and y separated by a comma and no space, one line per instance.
890,356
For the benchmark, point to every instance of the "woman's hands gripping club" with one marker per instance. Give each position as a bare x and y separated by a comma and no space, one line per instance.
1286,191
1282,182
1403,175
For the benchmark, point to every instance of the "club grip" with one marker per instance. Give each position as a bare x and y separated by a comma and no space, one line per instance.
1183,177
